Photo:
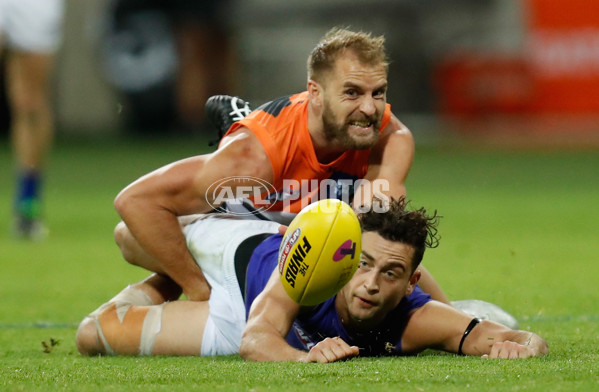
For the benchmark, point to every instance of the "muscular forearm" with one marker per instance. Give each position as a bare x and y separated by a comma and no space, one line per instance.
271,346
159,234
264,346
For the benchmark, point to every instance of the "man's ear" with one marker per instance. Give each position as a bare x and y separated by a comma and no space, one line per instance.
315,92
413,281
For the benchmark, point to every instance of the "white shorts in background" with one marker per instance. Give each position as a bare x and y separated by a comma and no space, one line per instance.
31,25
213,240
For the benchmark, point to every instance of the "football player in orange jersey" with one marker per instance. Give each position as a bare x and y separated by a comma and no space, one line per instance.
341,128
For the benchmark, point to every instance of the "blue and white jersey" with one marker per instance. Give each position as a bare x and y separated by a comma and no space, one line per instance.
323,321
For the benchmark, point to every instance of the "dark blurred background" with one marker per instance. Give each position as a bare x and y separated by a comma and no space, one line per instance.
524,72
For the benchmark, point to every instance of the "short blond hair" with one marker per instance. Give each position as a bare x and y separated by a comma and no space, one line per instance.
370,50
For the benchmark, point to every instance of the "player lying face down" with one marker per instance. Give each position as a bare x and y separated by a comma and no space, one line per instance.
380,311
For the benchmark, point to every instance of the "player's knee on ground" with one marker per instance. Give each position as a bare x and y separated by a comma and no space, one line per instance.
127,324
87,339
123,238
120,329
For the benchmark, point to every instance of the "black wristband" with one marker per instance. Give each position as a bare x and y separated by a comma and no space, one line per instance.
469,329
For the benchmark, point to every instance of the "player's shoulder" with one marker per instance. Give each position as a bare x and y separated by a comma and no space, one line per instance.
243,151
241,138
275,107
396,127
396,136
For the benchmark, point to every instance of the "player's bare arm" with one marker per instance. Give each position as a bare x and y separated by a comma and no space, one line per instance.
390,161
439,326
269,322
151,205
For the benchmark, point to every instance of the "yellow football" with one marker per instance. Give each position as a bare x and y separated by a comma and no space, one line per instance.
320,251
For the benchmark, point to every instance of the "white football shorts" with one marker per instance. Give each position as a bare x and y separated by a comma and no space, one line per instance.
213,240
31,25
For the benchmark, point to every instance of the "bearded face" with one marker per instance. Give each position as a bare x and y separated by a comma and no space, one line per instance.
356,130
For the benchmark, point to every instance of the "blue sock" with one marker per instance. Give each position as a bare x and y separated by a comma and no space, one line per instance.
27,203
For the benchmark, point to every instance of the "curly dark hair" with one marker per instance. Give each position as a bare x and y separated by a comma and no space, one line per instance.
410,227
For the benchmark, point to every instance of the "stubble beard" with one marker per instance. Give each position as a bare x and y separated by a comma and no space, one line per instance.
340,132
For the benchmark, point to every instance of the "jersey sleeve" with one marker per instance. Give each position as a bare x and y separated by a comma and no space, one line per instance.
274,124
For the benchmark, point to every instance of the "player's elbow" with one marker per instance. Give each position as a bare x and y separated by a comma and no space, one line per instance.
245,350
250,348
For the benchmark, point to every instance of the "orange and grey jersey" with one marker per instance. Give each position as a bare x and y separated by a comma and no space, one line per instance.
281,126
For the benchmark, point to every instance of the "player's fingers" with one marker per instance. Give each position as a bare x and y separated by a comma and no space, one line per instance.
498,351
316,355
334,349
507,350
343,350
524,352
494,350
321,352
513,350
504,351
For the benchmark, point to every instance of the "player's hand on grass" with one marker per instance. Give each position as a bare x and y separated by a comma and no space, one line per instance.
510,350
331,350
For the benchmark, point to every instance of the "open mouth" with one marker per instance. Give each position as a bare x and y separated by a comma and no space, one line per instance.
361,124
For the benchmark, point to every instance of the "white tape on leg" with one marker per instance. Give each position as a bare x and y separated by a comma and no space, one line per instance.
123,300
107,348
151,328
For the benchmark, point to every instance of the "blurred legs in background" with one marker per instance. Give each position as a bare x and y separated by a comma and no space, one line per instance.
30,30
32,132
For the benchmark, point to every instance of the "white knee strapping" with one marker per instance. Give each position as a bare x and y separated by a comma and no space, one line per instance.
127,297
107,348
150,329
131,296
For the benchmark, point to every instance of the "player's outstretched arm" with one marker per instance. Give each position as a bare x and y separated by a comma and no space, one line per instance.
388,169
440,326
269,322
150,206
388,166
270,319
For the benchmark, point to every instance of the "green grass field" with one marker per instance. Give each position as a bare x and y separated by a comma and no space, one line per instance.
519,229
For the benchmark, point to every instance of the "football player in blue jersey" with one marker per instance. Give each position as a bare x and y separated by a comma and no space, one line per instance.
381,311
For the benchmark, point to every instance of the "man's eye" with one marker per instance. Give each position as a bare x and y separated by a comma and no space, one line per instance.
351,93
